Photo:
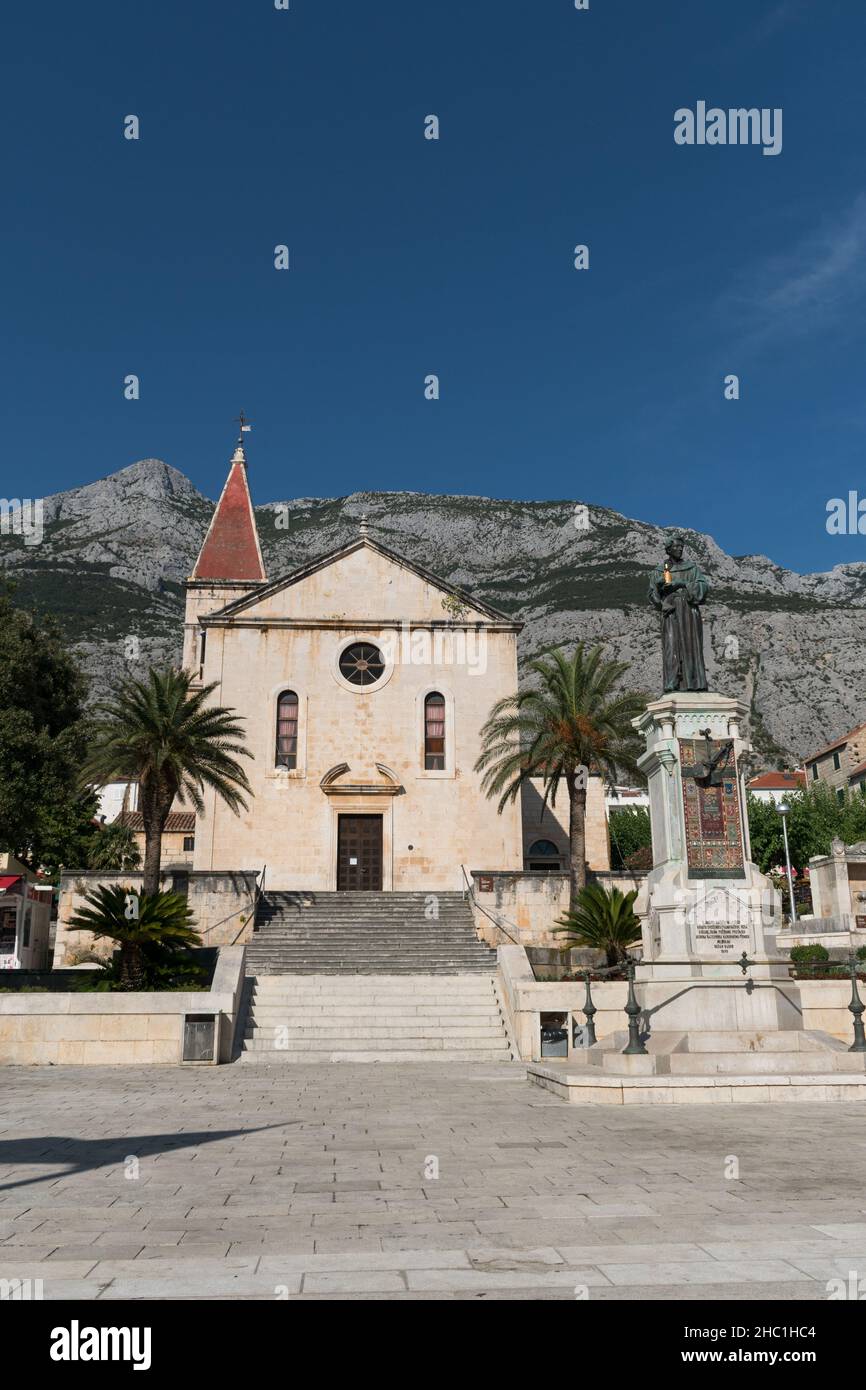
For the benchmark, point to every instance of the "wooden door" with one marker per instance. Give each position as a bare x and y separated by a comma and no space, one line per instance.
359,854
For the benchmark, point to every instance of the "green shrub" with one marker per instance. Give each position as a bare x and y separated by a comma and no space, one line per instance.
803,955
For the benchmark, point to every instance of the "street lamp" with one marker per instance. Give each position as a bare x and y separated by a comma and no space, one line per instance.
783,808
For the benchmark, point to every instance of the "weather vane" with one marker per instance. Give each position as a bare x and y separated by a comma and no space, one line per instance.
245,426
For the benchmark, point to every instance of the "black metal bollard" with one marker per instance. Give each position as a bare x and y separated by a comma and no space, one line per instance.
857,1008
632,1008
590,1012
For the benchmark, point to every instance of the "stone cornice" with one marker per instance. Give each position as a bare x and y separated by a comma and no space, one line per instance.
359,624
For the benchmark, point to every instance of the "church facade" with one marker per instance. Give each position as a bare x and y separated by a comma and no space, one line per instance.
363,682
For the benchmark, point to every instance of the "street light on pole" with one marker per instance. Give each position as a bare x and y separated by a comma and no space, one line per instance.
783,808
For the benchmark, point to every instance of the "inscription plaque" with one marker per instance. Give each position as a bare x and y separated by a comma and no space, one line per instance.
712,939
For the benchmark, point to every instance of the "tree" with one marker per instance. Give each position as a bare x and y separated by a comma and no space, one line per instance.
603,920
569,723
816,817
46,817
629,832
163,734
136,921
114,847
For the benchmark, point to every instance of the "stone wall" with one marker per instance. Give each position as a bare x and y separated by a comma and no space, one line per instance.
548,822
222,904
522,908
118,1028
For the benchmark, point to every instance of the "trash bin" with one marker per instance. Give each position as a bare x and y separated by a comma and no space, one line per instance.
201,1039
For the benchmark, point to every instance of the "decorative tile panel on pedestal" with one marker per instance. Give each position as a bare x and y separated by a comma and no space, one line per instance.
714,836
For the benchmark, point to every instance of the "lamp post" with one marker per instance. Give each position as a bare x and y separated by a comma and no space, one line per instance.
783,808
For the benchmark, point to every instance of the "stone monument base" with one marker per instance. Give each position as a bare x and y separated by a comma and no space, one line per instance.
739,1065
593,1086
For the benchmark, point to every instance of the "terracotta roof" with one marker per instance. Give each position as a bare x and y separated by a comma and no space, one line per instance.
837,743
231,546
777,781
857,771
178,821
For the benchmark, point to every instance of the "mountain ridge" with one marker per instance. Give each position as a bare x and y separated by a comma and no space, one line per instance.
116,551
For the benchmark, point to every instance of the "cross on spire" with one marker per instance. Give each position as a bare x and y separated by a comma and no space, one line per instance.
245,426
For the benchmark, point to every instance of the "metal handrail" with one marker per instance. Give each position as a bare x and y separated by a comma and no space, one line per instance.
257,897
487,914
634,1013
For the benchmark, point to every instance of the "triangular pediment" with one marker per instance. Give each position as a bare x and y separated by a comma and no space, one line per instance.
363,581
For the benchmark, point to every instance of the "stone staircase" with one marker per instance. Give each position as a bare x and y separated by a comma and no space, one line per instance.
375,1018
366,934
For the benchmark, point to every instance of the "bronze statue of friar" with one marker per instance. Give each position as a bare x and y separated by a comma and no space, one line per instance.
678,589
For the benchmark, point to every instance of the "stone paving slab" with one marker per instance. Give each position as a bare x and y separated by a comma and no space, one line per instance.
447,1181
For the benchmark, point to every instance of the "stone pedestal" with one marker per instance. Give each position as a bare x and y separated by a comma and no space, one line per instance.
705,903
710,1031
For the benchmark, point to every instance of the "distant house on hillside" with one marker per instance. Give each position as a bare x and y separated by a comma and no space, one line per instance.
775,786
841,764
178,837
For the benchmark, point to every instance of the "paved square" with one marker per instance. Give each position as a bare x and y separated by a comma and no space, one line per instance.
414,1181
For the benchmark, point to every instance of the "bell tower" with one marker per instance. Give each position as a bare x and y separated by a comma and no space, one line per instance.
229,564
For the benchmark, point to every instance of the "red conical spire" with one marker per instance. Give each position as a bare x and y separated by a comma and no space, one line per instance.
231,547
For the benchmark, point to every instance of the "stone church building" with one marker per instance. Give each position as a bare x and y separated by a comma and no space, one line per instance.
363,682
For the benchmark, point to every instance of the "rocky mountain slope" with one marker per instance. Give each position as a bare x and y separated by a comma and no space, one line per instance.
116,552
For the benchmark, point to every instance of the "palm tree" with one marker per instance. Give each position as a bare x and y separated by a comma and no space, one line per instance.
569,723
604,920
114,847
163,734
136,921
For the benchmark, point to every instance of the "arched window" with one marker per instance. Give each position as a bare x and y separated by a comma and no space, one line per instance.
287,730
543,857
434,732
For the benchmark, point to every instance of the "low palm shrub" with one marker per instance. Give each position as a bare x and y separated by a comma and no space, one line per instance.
153,931
603,919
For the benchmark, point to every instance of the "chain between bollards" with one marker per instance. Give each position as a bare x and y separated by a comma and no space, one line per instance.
633,1010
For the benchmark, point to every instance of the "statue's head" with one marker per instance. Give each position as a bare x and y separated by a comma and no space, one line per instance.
675,546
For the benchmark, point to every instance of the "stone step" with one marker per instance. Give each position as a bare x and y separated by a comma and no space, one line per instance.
454,989
363,1013
367,936
367,965
313,969
358,947
337,971
761,1063
288,1030
790,1040
338,1055
362,1010
376,1042
420,914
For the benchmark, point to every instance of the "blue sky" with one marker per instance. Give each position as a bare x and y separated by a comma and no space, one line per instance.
411,257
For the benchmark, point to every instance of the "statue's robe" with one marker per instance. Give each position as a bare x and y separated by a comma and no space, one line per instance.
682,625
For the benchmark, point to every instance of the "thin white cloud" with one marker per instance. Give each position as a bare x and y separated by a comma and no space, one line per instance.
781,15
812,285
